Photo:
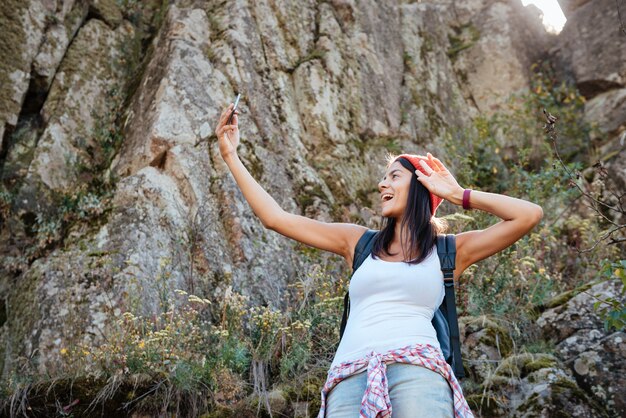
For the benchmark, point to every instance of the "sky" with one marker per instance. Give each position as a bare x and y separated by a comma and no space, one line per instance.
553,18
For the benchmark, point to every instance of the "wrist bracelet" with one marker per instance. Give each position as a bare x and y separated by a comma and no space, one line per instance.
466,194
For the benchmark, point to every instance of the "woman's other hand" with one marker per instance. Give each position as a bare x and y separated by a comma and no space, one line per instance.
228,135
438,180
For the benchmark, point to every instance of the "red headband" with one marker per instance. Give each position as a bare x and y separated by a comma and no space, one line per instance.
435,200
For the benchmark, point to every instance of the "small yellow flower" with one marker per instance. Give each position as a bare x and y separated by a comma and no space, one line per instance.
542,270
64,351
141,344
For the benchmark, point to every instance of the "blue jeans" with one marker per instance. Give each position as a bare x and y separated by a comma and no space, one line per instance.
414,392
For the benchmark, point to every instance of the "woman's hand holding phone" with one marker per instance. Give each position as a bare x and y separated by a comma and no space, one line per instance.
228,134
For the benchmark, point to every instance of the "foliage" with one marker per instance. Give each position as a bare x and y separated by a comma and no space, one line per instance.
613,309
464,37
508,152
198,355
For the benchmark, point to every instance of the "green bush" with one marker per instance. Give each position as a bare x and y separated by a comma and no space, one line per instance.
510,153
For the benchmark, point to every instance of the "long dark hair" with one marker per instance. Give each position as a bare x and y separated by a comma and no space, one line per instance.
417,220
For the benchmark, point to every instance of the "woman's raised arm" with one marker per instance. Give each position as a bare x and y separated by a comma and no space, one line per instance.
518,216
339,238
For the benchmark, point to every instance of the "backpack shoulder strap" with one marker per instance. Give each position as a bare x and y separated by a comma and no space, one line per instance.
446,250
363,248
361,251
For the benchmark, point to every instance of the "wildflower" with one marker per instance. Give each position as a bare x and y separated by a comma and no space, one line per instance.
64,351
194,298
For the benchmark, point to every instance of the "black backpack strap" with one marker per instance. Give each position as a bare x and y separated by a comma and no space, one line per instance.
446,250
363,248
361,251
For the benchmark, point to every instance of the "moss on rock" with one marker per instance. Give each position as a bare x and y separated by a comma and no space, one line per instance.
108,11
487,404
12,42
492,333
521,365
562,298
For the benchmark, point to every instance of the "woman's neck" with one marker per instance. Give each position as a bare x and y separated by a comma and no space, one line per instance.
401,241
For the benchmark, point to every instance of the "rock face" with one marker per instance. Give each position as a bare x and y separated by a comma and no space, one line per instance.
569,6
595,356
328,87
596,61
35,35
496,41
519,384
91,69
485,342
602,363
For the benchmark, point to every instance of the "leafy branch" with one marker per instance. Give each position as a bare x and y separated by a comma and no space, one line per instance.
595,202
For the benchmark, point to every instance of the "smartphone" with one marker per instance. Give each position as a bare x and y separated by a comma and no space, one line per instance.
230,118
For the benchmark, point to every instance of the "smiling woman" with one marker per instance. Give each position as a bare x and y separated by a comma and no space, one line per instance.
553,17
394,293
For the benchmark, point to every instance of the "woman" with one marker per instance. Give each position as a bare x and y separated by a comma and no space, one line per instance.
389,357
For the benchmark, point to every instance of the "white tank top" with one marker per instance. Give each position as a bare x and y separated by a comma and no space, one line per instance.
391,306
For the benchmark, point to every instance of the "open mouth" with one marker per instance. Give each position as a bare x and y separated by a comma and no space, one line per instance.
386,197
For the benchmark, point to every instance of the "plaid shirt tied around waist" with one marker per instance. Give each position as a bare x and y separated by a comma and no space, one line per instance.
376,402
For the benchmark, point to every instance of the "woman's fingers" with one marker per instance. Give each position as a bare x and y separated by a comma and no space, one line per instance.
426,167
225,129
429,162
434,162
222,126
226,114
440,164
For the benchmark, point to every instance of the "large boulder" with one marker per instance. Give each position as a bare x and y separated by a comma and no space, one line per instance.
73,111
484,342
34,38
591,52
496,41
574,325
595,356
23,24
552,392
569,6
534,385
591,49
600,370
607,112
60,31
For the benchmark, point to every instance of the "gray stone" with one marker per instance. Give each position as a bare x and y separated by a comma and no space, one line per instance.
106,10
608,112
594,58
537,385
551,392
601,370
57,38
511,36
569,6
577,316
74,107
23,24
484,343
172,103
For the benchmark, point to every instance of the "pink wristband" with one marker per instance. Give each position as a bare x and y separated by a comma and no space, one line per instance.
466,194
